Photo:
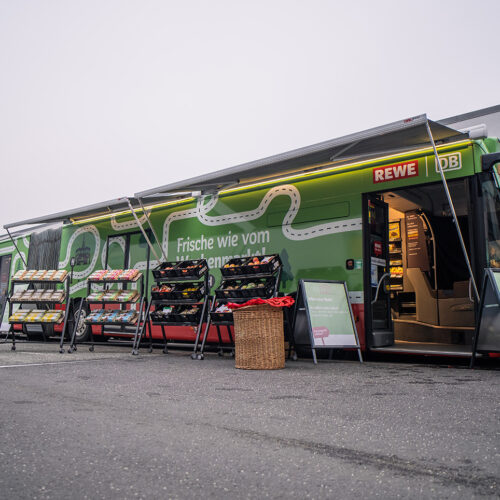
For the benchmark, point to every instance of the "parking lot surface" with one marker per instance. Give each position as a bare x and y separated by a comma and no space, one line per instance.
110,425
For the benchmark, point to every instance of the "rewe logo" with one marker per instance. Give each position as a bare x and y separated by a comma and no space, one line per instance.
452,161
396,171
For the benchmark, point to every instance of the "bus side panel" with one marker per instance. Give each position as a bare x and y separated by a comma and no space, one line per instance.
314,223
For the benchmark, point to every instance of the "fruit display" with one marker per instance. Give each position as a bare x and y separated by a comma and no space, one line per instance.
181,269
163,292
112,316
222,313
163,314
178,291
193,268
40,275
245,288
165,270
38,296
180,294
190,291
264,264
190,313
177,314
115,275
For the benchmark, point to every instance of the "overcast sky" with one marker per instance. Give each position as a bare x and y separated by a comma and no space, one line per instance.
100,99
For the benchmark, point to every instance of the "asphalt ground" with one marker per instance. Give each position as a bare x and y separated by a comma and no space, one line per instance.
110,425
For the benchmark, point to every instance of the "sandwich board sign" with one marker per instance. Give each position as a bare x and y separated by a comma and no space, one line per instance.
323,317
487,334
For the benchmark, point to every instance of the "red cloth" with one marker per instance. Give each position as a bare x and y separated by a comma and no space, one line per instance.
273,301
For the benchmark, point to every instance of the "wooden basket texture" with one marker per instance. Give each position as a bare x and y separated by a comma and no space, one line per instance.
259,338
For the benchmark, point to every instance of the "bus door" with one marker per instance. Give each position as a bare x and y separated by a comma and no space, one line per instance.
488,213
379,331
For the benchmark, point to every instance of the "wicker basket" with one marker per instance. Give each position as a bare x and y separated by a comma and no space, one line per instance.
259,338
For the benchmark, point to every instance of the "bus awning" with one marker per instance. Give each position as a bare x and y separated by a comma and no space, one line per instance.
403,135
95,210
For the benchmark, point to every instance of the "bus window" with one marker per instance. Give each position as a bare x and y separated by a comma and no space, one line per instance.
491,197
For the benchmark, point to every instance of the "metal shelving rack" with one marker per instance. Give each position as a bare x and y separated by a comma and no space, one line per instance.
139,325
203,301
65,302
226,319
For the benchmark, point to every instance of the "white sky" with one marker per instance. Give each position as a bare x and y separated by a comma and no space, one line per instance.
104,98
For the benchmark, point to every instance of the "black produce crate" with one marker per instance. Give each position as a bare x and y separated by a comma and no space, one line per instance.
161,318
157,295
181,269
192,317
226,317
237,266
267,268
243,266
197,294
264,292
161,272
177,315
192,268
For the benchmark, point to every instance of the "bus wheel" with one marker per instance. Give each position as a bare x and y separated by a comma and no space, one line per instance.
82,329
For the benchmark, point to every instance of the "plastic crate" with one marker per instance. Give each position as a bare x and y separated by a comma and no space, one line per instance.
192,268
164,295
189,291
193,317
241,291
221,317
234,267
272,263
248,266
166,270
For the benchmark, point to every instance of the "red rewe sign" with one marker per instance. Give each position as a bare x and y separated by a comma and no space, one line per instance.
377,248
395,172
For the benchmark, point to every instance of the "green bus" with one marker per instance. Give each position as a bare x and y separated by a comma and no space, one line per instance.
410,236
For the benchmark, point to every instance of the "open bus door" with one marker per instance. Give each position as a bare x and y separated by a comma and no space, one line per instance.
488,219
379,331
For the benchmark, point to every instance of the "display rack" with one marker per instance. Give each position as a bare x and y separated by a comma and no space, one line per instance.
395,257
242,279
180,297
130,322
46,298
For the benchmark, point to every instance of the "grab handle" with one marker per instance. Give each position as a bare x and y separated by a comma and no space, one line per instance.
385,275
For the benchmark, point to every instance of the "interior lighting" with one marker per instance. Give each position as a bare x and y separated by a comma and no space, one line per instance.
318,170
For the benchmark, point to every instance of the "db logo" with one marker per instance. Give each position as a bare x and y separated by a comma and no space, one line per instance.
452,161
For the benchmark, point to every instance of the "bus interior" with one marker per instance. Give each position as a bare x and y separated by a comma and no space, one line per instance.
425,301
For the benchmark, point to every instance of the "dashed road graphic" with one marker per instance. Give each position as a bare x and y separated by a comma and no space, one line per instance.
203,207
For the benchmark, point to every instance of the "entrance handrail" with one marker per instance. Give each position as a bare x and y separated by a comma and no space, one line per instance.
385,275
